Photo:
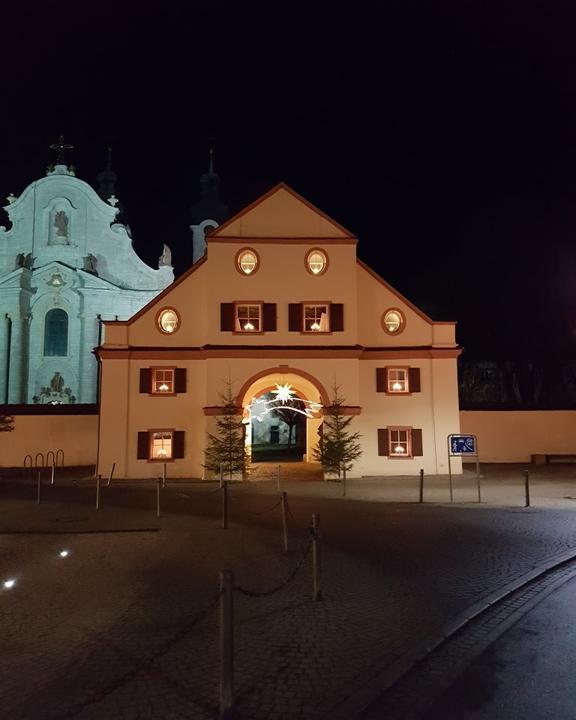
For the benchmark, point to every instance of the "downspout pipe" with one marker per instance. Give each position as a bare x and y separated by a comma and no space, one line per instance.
8,354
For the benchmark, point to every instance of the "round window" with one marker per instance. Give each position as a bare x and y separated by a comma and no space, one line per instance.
247,261
393,322
168,320
316,261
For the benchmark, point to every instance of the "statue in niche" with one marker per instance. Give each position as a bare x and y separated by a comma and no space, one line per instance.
91,263
57,383
60,225
166,257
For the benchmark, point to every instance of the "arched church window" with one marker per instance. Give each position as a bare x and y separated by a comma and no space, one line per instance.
56,333
316,261
247,261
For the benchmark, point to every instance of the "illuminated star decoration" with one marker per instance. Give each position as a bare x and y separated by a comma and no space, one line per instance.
259,408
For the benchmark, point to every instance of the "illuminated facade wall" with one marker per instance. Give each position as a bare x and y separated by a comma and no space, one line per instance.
63,262
280,297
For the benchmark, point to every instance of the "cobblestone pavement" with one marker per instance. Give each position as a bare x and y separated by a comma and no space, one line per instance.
126,626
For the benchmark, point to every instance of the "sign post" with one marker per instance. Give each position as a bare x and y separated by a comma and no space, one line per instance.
460,445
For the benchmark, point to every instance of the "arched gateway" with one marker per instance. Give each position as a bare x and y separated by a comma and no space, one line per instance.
276,388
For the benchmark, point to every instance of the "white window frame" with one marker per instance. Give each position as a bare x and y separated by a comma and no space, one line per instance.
400,440
165,441
163,376
393,376
317,318
255,316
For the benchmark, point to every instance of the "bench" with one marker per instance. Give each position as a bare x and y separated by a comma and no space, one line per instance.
547,458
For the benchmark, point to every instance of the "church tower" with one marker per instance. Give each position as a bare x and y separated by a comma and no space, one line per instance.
208,212
66,264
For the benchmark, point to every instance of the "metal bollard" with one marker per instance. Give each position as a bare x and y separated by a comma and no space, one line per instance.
52,475
226,643
225,505
285,520
278,479
344,481
111,473
527,488
221,475
421,486
39,489
98,492
164,475
158,497
315,530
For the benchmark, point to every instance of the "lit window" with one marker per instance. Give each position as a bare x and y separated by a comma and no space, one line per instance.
161,445
393,322
162,381
399,442
316,318
56,333
168,321
248,318
247,261
316,262
397,380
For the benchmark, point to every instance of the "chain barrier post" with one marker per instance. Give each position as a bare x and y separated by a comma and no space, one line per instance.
98,492
315,530
158,483
111,473
421,499
278,479
164,475
221,475
225,505
39,489
479,488
285,520
226,644
527,488
344,481
53,472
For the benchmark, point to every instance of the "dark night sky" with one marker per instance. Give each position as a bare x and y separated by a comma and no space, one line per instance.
442,134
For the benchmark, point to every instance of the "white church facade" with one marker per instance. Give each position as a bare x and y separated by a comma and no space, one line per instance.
279,300
65,266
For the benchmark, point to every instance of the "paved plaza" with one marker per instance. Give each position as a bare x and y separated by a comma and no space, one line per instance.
126,625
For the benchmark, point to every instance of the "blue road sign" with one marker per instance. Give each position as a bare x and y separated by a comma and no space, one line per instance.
463,445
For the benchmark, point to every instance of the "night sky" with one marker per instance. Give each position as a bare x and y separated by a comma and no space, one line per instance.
442,134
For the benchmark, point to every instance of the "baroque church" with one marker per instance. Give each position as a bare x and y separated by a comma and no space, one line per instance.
66,264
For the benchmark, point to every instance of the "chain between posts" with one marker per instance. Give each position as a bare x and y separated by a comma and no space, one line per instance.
287,580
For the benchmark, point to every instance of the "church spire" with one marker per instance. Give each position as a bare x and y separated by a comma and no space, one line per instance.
210,211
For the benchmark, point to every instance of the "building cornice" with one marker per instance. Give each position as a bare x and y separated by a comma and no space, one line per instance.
205,352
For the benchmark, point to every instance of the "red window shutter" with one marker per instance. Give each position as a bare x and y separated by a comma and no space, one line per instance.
269,317
381,379
294,317
143,446
417,442
180,380
383,444
227,317
414,380
178,444
336,317
145,380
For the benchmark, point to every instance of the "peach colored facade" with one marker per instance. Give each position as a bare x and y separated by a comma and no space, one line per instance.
280,228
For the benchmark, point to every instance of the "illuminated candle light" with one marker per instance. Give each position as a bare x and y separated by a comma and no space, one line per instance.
163,387
248,326
396,386
315,326
399,449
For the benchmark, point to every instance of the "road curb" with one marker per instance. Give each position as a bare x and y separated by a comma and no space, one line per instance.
358,697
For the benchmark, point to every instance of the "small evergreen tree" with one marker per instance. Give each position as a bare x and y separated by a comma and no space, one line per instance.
227,447
338,447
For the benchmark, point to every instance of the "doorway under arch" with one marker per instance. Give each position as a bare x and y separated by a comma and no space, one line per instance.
263,397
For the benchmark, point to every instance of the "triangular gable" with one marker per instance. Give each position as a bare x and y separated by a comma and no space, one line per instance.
281,213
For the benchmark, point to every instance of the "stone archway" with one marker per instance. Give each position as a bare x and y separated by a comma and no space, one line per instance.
305,386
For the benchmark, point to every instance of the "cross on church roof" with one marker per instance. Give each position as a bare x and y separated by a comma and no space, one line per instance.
62,148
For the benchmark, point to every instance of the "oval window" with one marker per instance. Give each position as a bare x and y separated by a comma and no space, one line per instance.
316,261
247,261
393,322
168,320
